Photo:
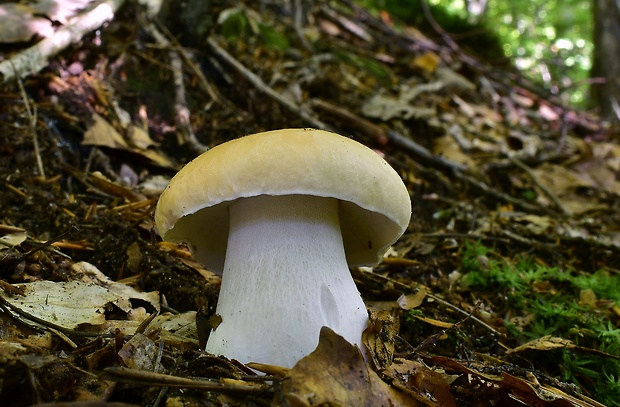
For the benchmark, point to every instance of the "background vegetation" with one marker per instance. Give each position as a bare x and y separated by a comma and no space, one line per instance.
548,41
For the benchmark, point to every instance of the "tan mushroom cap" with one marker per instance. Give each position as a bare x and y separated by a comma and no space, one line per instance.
374,204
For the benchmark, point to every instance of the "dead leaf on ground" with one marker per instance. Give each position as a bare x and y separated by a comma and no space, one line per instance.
529,392
428,62
410,301
435,322
564,184
446,146
546,342
380,336
74,303
336,374
140,352
12,239
101,133
420,379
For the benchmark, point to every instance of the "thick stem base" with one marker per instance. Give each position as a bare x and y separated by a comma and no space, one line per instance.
285,277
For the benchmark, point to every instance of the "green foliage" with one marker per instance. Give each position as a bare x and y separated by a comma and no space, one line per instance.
474,37
549,41
233,24
243,22
603,285
273,39
552,298
379,71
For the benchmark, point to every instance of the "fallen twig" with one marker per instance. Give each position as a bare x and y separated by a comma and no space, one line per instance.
35,58
135,376
263,87
502,196
298,9
378,133
32,124
437,299
432,340
182,113
421,152
540,185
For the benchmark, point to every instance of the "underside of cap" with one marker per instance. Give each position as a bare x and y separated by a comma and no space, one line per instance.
374,207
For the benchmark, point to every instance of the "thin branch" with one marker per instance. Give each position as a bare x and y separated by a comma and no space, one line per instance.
189,61
435,298
502,196
32,124
35,58
421,152
378,133
135,376
540,185
298,23
258,83
182,112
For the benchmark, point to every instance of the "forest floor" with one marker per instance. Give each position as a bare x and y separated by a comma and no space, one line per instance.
504,290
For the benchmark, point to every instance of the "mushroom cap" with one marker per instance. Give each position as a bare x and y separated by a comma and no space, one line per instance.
374,205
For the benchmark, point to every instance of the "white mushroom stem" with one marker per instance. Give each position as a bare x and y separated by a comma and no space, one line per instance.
285,276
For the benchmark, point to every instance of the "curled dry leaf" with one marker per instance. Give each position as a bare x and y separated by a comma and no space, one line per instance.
410,301
336,374
546,342
421,380
103,134
140,352
74,303
379,338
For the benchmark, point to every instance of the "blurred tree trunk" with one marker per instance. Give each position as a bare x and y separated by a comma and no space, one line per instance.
606,96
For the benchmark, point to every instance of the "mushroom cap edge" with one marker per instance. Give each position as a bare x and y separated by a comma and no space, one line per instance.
374,204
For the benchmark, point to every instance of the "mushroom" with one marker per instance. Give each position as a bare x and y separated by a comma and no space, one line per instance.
281,215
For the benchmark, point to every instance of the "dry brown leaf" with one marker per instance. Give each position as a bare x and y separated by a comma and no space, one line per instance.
140,138
537,224
528,392
559,179
103,134
427,62
587,297
380,336
446,146
12,239
454,82
140,352
336,374
421,380
563,183
74,303
105,185
157,158
435,322
410,301
601,170
532,394
546,342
